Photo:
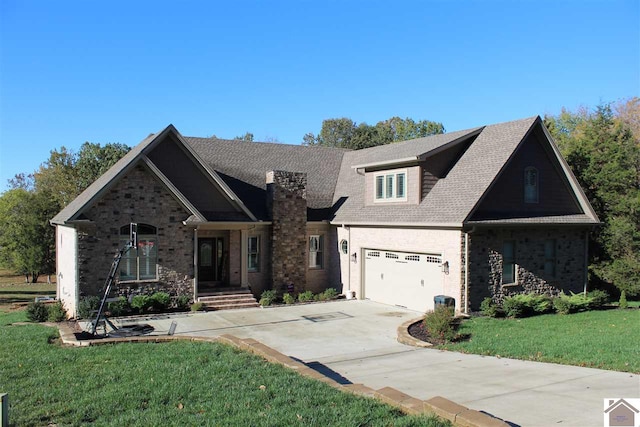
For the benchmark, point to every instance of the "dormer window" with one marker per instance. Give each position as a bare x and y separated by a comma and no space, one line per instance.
531,185
391,186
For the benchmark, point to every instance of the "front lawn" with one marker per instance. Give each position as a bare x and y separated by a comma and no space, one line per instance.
607,339
176,383
13,288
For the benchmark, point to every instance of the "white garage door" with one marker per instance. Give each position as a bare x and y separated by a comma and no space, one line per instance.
398,278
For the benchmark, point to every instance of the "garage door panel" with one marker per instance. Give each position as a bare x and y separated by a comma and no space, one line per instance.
407,279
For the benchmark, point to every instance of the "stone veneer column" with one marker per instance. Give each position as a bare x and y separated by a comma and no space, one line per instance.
287,206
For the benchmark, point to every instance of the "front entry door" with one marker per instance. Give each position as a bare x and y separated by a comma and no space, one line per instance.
210,259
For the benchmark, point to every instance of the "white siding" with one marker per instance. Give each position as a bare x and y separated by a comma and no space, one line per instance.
445,242
67,269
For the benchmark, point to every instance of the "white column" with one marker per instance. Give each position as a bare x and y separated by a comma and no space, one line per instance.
244,251
195,264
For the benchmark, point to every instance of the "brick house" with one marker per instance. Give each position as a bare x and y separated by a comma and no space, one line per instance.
489,211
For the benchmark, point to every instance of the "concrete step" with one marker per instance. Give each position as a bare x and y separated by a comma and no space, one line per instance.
221,298
223,291
217,307
228,299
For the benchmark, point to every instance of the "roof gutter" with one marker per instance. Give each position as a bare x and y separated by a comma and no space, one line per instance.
383,163
450,225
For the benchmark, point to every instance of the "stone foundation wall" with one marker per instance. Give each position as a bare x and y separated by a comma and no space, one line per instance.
486,261
138,197
287,204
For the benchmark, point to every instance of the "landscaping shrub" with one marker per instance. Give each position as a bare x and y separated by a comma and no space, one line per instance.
182,302
541,304
490,309
622,303
268,297
160,301
37,312
288,298
440,323
141,303
566,304
87,305
305,296
597,298
328,294
523,305
56,312
120,307
197,306
517,305
562,305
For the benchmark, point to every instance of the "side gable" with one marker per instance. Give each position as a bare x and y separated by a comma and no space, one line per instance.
178,165
505,198
166,172
561,199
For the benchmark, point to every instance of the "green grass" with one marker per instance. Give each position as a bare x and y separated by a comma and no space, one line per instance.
608,339
176,383
13,289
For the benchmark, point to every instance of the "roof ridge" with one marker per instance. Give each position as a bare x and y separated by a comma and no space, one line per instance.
281,144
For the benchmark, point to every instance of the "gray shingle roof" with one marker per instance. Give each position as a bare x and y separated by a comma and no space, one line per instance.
243,166
333,184
453,197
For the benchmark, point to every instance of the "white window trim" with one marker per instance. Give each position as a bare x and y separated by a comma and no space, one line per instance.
514,262
343,247
389,198
257,253
133,256
320,239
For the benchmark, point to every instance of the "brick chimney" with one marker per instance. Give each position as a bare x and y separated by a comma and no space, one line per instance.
287,207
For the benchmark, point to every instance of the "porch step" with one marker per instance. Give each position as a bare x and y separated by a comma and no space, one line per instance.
228,299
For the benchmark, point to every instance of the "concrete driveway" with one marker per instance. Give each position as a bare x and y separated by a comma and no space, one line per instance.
355,341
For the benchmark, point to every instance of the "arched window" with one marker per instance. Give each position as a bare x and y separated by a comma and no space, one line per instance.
530,185
140,263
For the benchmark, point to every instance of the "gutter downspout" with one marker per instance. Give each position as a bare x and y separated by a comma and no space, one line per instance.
586,260
195,264
466,269
351,293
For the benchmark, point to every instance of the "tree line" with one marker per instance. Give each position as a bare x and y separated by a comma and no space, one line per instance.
27,240
601,146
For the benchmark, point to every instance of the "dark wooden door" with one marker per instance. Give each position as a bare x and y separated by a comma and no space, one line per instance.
210,259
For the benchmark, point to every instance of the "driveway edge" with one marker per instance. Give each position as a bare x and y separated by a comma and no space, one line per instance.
405,338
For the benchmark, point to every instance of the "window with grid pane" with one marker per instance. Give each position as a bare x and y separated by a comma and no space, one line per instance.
390,187
140,263
253,249
316,243
550,257
531,185
508,262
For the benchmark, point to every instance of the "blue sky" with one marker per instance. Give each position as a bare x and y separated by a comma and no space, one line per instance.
76,71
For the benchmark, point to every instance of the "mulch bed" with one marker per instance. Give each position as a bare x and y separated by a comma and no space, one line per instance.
418,331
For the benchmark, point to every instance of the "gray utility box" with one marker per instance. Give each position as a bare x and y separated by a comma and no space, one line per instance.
444,300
